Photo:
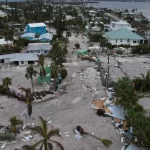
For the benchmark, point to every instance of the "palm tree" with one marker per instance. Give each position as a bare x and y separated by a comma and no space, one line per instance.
14,122
28,97
103,42
46,142
105,142
42,70
6,82
146,82
30,72
125,93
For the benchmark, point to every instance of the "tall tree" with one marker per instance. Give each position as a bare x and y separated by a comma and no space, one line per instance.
14,122
6,82
125,93
42,70
46,142
103,42
28,98
146,82
30,73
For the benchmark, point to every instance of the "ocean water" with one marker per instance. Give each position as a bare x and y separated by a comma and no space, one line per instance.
143,7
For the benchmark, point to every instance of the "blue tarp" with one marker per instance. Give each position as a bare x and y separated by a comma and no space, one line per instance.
117,112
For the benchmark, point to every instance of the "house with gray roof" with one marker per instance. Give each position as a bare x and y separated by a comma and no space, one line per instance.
123,36
19,58
39,48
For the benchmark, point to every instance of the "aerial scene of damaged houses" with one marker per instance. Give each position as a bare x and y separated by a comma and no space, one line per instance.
73,77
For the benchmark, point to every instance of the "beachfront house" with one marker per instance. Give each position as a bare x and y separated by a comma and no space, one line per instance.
123,36
120,24
38,28
19,59
39,48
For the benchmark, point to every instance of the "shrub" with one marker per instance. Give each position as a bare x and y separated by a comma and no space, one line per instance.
119,52
63,73
7,137
141,49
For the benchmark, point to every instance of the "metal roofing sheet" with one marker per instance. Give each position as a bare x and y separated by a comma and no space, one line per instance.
24,57
41,24
28,35
132,147
39,46
123,33
117,112
46,36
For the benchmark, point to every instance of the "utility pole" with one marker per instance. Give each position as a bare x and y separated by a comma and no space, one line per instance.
108,71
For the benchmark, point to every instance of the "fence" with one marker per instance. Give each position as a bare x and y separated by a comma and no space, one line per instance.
105,78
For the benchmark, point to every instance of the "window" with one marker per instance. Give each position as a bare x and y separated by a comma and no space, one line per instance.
31,52
137,41
22,62
42,31
134,41
45,51
38,51
128,40
121,40
116,40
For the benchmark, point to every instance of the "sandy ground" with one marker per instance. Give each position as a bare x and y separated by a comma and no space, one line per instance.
133,66
69,110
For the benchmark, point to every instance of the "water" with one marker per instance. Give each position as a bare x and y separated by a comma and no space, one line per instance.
143,7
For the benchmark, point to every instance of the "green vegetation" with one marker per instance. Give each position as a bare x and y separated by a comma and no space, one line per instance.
14,122
30,73
141,49
28,99
6,82
135,115
46,142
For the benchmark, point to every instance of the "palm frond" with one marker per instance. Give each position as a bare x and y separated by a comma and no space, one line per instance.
50,146
41,147
54,132
38,143
37,129
28,147
44,124
105,142
58,144
22,88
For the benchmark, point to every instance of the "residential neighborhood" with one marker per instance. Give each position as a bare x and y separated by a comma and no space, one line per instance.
73,77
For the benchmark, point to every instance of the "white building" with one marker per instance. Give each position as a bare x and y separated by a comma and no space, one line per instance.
39,48
120,24
19,58
124,36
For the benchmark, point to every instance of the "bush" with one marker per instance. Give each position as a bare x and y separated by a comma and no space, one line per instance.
7,137
64,73
141,49
119,52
